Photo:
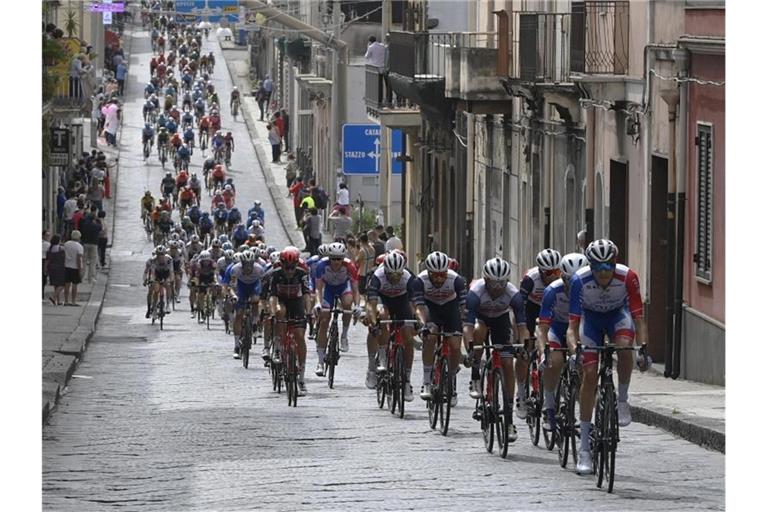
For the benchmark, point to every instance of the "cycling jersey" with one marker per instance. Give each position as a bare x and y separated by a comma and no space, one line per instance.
221,215
234,216
532,287
554,312
286,287
204,270
147,203
193,249
425,293
159,267
221,267
337,282
480,303
381,287
258,212
147,134
247,284
606,310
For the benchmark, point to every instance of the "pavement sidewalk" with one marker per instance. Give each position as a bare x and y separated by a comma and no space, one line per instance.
66,331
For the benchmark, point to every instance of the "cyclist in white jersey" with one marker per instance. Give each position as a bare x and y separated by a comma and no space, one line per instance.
391,283
439,295
489,302
158,271
607,296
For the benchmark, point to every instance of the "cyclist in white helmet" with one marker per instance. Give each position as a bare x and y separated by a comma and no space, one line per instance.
336,278
392,284
489,303
607,296
532,286
439,295
553,325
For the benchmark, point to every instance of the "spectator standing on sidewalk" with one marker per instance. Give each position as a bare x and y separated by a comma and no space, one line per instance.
70,207
73,268
120,72
393,242
46,246
376,242
268,85
381,233
111,122
274,140
286,128
90,228
297,191
341,225
54,261
278,121
261,99
79,214
61,200
103,239
342,199
291,171
314,234
96,194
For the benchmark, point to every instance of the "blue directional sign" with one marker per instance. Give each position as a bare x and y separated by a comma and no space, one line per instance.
361,148
209,10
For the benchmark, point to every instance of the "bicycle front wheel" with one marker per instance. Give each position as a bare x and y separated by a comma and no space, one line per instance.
501,412
400,380
611,436
484,407
245,344
447,393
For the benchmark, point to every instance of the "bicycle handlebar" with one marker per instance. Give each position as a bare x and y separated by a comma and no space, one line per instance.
397,322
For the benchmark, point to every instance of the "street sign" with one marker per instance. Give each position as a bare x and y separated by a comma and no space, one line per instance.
397,151
59,153
107,15
361,148
107,7
209,10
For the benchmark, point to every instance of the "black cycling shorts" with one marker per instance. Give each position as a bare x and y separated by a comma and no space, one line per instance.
445,316
499,327
294,312
399,308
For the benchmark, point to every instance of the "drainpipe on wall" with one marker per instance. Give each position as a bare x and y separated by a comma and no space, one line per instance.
681,62
589,213
671,96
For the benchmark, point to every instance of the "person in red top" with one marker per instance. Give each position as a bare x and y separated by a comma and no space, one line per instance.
204,126
165,205
186,198
296,190
152,66
280,123
218,176
217,198
182,179
78,216
229,197
160,70
161,58
176,141
215,121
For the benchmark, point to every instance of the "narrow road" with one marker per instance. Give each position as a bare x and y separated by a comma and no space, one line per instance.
168,421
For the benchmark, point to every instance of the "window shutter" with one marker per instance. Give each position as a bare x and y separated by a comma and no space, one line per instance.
703,256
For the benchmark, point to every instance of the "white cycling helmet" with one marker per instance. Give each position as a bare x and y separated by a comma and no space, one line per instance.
322,251
274,257
229,254
205,255
571,263
248,256
497,269
437,262
194,239
602,250
238,257
337,250
548,259
394,262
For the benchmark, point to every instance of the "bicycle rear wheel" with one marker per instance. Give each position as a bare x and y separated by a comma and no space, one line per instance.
161,305
550,438
433,404
574,430
332,357
502,416
382,388
564,420
447,393
293,370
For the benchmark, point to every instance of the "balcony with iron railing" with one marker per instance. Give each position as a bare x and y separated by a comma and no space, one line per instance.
601,35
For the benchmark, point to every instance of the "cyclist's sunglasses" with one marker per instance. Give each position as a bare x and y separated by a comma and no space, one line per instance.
602,267
336,259
289,266
438,275
551,272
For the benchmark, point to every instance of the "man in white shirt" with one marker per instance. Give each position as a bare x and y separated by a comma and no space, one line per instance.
375,55
46,246
73,266
70,207
342,199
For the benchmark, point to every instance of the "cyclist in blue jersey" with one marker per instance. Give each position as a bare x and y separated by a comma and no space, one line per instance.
246,279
